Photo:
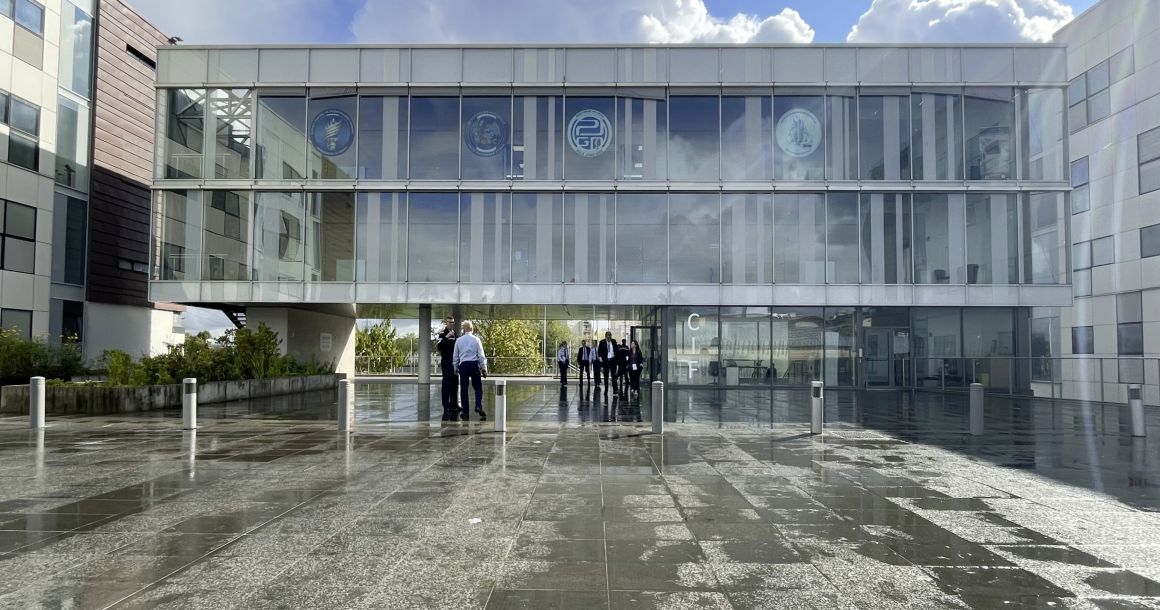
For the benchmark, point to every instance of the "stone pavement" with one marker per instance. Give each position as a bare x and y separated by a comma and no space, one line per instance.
578,506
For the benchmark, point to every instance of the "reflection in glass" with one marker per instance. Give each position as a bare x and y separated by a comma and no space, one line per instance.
483,237
641,128
1041,133
536,237
992,239
382,137
989,115
332,133
229,111
537,127
486,134
381,237
884,133
694,346
842,266
76,48
938,238
1044,238
840,352
885,246
279,237
641,238
799,238
937,140
281,138
695,232
989,341
937,339
589,153
842,144
797,344
746,137
72,137
227,236
747,221
694,137
588,238
745,346
184,132
335,245
177,236
798,133
432,243
434,138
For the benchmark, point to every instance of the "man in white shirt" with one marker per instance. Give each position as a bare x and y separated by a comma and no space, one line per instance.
471,365
562,362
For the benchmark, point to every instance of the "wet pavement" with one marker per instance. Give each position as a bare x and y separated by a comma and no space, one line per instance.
578,505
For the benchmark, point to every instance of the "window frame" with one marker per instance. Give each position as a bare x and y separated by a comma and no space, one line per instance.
16,16
1078,332
1141,161
1150,229
1077,187
5,235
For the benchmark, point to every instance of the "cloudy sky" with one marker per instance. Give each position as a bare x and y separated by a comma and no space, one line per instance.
661,21
573,21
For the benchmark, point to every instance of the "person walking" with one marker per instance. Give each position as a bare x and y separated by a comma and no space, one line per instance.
622,367
606,355
450,386
584,357
471,364
562,362
635,365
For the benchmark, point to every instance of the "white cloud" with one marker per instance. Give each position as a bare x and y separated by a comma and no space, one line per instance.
568,21
197,319
248,21
960,21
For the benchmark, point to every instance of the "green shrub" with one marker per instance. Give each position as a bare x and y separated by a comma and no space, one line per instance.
21,358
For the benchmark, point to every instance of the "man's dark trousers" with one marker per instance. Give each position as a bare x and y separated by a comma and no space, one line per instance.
596,370
450,388
563,372
608,369
469,371
584,368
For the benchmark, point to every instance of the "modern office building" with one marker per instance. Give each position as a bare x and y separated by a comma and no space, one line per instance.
880,216
1110,337
60,172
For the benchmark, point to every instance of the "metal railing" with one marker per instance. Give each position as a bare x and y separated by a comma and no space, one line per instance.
510,367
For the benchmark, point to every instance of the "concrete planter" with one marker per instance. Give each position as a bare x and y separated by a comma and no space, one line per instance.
105,400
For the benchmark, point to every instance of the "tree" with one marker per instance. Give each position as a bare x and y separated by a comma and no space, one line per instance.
558,331
377,348
512,346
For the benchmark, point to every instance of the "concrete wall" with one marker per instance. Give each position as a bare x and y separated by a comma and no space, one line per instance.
137,331
311,335
103,400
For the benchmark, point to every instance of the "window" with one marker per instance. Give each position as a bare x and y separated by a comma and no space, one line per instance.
1082,340
18,320
1122,64
1150,241
884,133
231,119
23,145
76,46
1089,94
19,236
1082,283
6,8
30,15
72,137
1129,307
1148,146
1080,199
1103,251
694,138
937,126
1130,339
72,269
185,132
989,118
435,138
1081,255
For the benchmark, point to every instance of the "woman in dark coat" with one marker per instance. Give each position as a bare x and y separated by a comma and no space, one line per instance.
635,365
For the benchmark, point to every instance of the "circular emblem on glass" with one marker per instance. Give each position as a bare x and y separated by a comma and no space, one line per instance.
332,132
485,134
589,133
798,133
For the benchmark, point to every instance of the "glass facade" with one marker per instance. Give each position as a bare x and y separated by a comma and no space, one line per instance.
860,235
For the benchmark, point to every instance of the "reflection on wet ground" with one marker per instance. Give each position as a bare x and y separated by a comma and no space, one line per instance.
579,506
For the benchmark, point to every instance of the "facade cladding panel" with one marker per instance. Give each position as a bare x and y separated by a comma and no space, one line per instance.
883,193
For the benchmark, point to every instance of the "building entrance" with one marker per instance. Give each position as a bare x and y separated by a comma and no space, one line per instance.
887,356
648,337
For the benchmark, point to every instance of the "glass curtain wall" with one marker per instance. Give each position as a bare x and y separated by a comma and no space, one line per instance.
381,237
178,235
588,151
231,118
1041,134
797,343
1045,238
937,134
842,137
694,138
433,237
484,153
938,238
589,238
227,237
434,138
332,118
382,137
885,250
281,137
484,237
842,265
799,136
694,238
799,238
989,118
992,239
746,137
334,247
279,237
641,128
884,135
184,112
747,227
537,137
642,253
537,237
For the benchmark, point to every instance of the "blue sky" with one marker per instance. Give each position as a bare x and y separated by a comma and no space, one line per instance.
572,21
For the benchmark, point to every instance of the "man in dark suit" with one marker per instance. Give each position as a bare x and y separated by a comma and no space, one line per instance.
622,353
583,356
446,348
606,356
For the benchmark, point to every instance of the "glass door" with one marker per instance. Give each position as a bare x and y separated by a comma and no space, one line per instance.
887,353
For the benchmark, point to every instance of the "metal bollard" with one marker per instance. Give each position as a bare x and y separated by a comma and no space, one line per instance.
36,403
658,407
976,414
500,405
817,406
1136,409
189,403
345,405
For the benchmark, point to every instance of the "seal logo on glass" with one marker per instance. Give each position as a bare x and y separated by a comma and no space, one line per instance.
332,132
589,133
799,133
485,134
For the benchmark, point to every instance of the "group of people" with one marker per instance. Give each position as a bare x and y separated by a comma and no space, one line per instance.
619,365
462,362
